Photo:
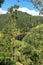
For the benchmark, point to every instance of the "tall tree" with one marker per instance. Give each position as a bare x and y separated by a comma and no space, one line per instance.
12,17
10,13
13,11
16,8
1,2
38,4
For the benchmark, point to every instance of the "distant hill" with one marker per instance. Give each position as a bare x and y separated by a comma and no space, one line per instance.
24,21
3,18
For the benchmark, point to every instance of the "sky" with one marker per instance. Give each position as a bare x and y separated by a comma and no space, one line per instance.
24,6
9,3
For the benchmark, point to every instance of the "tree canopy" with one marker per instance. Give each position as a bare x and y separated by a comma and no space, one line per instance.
1,2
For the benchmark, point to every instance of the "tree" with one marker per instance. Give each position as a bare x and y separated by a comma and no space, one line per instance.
12,28
37,3
41,11
16,8
1,2
13,10
10,10
10,13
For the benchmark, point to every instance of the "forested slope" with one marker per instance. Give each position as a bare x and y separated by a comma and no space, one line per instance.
29,50
24,21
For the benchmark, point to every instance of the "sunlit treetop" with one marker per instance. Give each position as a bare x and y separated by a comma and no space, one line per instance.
13,8
16,7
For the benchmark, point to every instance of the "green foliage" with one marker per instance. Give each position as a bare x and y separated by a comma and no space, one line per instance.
35,36
24,22
29,51
35,39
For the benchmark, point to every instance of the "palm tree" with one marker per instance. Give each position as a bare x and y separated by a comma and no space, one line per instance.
1,2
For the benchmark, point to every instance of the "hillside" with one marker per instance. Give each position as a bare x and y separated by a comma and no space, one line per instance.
29,50
35,39
3,21
35,36
24,21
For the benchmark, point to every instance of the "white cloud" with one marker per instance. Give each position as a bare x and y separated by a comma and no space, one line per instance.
2,11
31,12
24,9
